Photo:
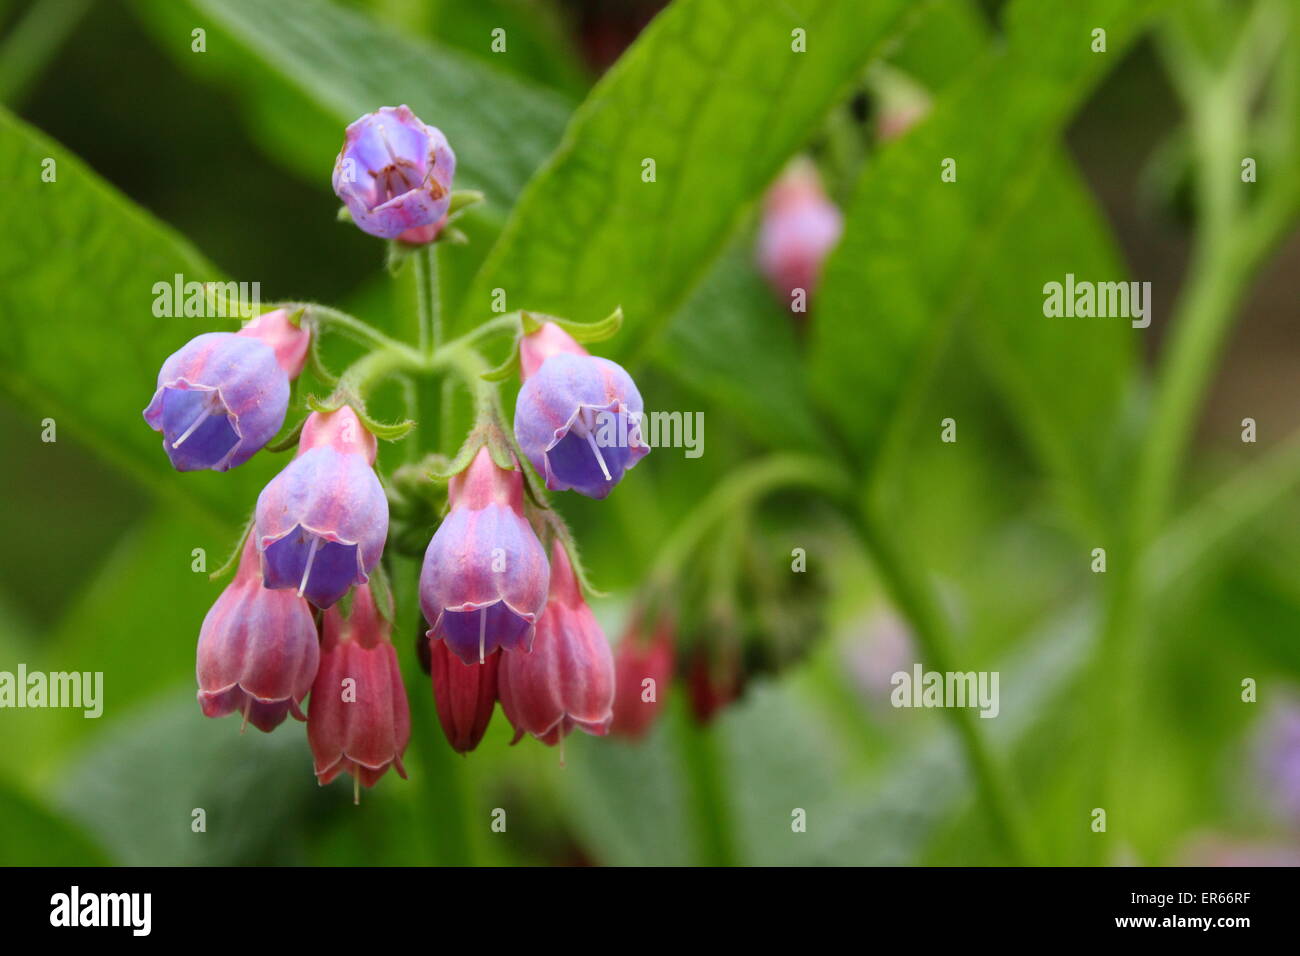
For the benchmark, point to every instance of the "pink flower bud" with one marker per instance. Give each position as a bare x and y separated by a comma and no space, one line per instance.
643,669
536,347
465,694
257,650
799,229
483,584
358,721
568,679
288,340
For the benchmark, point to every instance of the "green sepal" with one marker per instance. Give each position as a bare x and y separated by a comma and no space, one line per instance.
462,200
345,603
507,369
290,439
597,331
382,590
229,564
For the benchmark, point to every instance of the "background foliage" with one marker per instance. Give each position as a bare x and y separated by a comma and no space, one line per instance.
1120,690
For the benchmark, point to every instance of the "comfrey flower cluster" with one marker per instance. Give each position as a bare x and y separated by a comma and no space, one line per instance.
309,612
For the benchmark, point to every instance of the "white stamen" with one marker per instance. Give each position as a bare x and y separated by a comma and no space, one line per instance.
600,460
482,632
356,790
199,419
311,556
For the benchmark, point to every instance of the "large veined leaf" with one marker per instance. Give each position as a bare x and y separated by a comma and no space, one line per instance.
87,251
500,127
915,246
715,95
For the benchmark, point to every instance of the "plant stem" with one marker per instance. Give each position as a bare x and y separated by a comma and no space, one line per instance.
704,765
428,298
915,600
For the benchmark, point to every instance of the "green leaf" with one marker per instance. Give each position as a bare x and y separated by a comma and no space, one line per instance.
712,93
185,763
86,251
499,127
31,835
734,346
915,248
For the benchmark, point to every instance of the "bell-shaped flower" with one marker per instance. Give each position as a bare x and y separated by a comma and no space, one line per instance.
257,651
577,416
568,679
394,174
799,228
484,580
321,523
643,669
223,395
358,721
465,694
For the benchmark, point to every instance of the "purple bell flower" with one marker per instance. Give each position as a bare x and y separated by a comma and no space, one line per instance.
577,417
257,651
485,575
394,174
321,523
223,395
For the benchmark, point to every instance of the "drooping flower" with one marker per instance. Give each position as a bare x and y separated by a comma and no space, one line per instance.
257,651
484,580
714,681
223,395
800,226
568,679
394,174
321,523
358,722
465,694
643,669
577,417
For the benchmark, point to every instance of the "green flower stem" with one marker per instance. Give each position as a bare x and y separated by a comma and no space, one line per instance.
906,583
428,297
322,316
1231,244
915,600
705,768
740,489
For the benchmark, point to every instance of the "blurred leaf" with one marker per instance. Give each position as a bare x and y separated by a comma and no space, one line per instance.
625,800
713,94
734,347
31,835
137,787
915,248
86,251
499,127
